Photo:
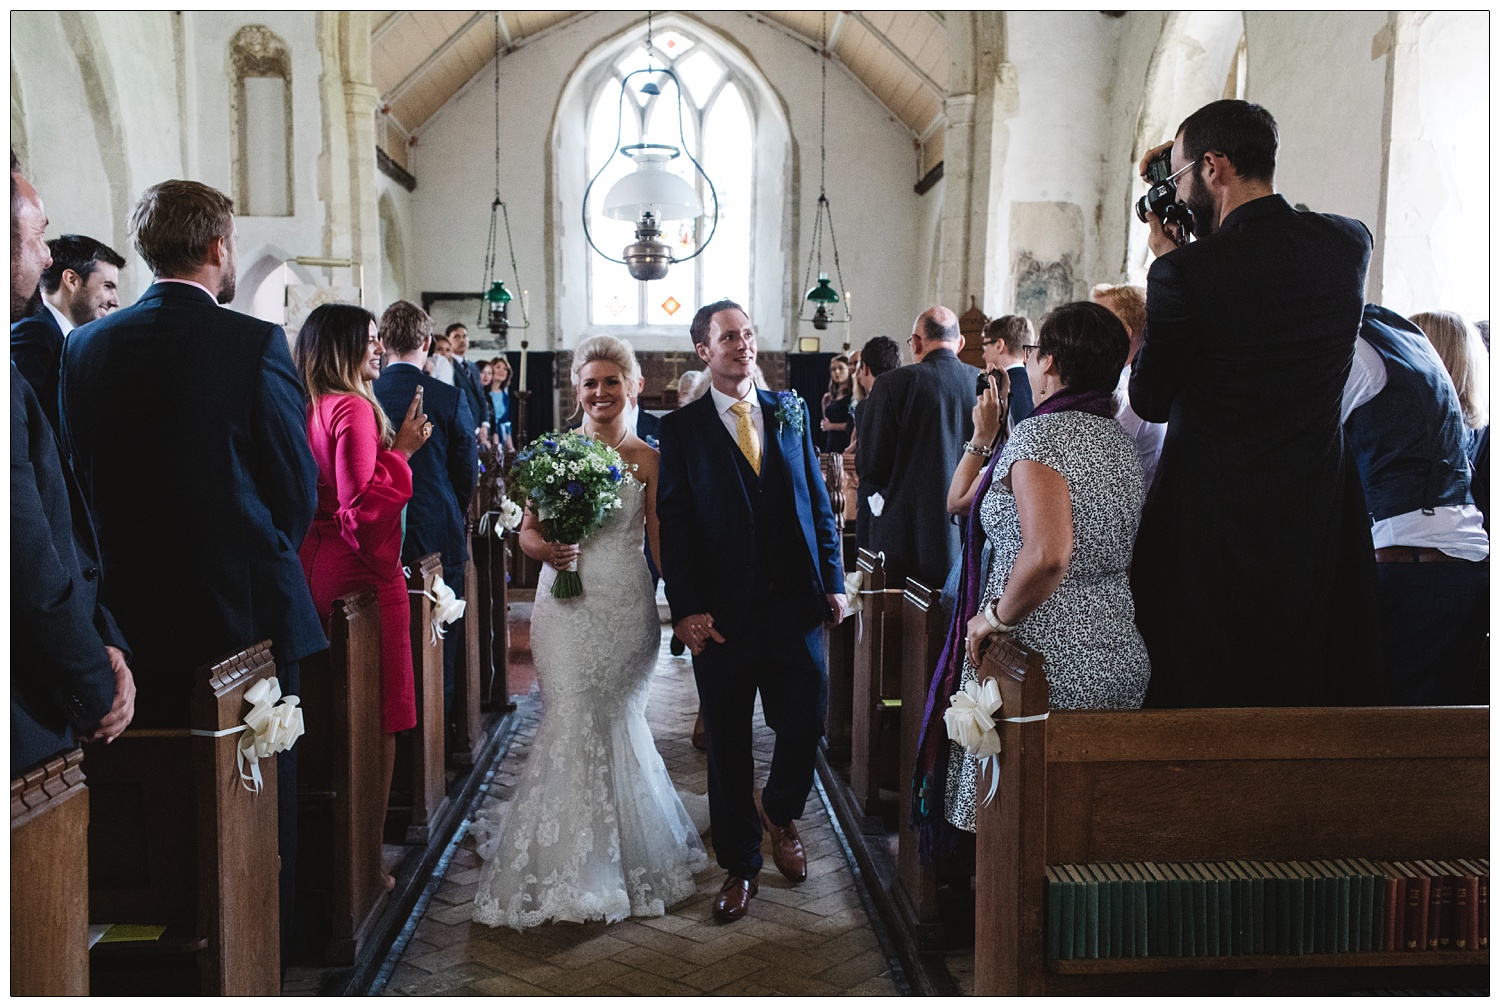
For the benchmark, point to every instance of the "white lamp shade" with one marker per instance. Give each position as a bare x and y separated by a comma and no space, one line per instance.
651,187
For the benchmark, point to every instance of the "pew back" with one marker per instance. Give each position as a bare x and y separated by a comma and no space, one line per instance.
419,780
468,727
49,893
922,632
875,743
1187,785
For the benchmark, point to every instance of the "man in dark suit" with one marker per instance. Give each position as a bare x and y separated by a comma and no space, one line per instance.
1254,574
443,473
912,431
187,427
82,284
750,556
69,673
466,380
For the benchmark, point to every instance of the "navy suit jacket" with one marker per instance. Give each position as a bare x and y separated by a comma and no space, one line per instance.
36,344
466,380
443,471
707,524
187,427
60,680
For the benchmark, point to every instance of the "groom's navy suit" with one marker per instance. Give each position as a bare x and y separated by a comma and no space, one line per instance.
759,553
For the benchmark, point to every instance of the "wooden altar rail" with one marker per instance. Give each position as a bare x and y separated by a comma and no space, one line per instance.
341,777
418,793
49,882
176,839
1390,783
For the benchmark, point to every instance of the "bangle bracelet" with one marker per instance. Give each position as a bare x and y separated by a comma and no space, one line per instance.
975,449
994,620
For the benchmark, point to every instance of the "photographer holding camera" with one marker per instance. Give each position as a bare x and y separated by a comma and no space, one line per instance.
1253,573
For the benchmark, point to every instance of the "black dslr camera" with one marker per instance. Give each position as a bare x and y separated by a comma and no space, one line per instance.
1162,198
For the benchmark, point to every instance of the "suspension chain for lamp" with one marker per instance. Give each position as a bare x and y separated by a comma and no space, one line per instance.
492,249
824,207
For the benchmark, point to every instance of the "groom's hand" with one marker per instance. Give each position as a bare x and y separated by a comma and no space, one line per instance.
696,631
838,605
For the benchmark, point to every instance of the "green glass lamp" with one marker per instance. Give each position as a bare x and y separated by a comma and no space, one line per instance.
822,295
497,298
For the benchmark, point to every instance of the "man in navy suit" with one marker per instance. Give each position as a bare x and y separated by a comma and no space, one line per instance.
69,673
443,473
187,426
466,379
750,557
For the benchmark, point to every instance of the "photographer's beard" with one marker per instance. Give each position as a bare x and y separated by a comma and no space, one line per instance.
1201,202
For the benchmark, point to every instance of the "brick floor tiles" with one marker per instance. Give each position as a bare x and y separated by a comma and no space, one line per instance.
807,939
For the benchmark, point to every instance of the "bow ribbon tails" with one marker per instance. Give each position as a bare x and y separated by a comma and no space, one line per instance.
273,725
446,607
970,720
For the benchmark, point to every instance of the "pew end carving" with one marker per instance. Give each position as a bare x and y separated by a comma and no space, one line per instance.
49,895
176,839
1390,783
875,722
467,720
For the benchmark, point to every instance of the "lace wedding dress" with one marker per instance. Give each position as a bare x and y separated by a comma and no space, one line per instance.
595,830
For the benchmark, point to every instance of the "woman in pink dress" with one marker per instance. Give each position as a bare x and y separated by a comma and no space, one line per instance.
363,484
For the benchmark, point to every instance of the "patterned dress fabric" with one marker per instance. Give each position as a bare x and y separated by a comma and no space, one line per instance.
1095,659
596,830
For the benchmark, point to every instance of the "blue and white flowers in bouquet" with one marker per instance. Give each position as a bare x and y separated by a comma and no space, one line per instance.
570,482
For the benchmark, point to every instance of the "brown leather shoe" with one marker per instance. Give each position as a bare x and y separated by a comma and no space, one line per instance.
700,737
786,849
734,898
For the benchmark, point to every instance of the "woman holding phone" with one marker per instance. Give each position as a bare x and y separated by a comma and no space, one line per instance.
363,484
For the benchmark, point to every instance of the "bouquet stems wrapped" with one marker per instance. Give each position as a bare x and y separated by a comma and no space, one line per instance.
571,482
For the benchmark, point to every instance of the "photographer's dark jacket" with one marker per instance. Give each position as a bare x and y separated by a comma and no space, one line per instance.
1254,572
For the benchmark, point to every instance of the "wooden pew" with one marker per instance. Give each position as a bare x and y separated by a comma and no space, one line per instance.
839,640
418,791
468,725
922,633
489,605
175,839
873,757
339,777
851,489
1391,783
49,893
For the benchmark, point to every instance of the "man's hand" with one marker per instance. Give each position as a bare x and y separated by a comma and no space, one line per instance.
123,711
838,604
696,631
1161,240
1149,155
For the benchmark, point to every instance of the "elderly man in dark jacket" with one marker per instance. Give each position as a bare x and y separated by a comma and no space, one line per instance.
912,430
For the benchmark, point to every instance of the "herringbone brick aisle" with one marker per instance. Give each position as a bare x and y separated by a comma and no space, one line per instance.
807,939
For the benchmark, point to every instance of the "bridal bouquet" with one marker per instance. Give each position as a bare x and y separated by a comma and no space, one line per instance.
571,482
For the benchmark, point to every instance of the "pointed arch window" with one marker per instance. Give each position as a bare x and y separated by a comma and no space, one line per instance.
260,122
718,125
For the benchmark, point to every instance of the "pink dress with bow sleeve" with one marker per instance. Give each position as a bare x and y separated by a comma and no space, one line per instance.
355,538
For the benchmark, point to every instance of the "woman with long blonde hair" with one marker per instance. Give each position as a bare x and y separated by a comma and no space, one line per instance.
364,481
1467,361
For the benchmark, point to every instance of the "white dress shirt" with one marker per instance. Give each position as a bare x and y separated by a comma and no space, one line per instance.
1457,530
63,321
442,368
722,403
1148,436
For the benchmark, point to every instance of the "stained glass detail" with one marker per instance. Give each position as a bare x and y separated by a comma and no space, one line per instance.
673,43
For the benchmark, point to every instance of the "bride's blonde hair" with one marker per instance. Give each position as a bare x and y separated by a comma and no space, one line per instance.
607,349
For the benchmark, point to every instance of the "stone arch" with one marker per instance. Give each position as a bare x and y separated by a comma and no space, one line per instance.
393,252
264,272
1197,56
82,31
772,256
258,123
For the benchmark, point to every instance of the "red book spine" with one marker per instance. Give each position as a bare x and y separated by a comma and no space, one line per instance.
1395,903
1461,904
1469,890
1482,907
1435,929
1416,911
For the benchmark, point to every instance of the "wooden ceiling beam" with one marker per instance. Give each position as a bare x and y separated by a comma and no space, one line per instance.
394,94
387,26
504,32
838,26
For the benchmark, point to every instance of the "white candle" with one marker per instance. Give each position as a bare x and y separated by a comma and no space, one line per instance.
848,321
523,364
525,307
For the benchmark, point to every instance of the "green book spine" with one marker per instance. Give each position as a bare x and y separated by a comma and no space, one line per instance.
1377,903
1054,915
1240,900
1356,906
1157,943
1206,911
1225,884
1176,927
1080,914
1127,909
1257,906
1345,894
1283,888
1142,886
1308,895
1320,906
1065,937
1192,933
1370,917
1269,892
1091,926
1111,883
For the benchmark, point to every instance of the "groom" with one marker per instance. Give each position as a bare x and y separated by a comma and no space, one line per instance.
750,557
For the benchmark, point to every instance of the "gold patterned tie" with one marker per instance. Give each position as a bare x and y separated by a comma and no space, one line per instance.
745,432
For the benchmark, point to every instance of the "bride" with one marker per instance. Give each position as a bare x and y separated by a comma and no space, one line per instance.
596,830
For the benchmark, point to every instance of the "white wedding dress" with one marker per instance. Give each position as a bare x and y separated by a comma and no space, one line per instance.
595,830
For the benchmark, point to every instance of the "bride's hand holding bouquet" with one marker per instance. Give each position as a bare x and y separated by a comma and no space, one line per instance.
570,482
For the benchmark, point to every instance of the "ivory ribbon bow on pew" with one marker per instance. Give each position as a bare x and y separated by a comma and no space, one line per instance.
272,725
446,606
505,517
971,723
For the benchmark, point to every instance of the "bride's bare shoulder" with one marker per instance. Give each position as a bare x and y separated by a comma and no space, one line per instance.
643,456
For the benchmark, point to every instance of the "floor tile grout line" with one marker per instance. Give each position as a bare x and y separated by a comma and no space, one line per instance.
419,910
898,971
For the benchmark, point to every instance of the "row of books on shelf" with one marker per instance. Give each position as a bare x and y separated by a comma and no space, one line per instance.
1252,907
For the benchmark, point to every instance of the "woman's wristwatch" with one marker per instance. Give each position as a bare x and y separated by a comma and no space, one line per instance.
994,620
975,449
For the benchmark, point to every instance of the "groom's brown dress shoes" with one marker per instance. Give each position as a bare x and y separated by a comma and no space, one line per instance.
786,849
734,898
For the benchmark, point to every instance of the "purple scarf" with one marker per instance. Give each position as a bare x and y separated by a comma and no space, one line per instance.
930,780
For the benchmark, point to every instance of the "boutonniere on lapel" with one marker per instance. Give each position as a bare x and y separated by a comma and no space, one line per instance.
790,412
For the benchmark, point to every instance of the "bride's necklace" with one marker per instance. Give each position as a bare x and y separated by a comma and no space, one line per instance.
616,444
